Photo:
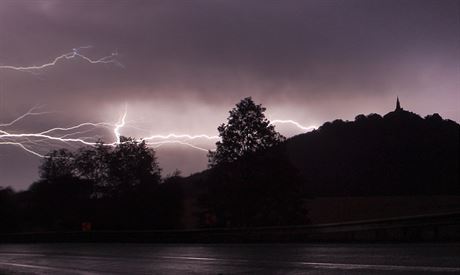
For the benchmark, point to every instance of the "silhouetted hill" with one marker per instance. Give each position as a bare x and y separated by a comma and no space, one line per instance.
400,153
397,154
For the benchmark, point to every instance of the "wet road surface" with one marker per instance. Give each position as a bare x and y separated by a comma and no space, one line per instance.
230,259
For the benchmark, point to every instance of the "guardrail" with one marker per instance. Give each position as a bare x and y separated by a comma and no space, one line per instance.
434,227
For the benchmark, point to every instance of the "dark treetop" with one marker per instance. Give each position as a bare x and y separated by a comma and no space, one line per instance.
247,131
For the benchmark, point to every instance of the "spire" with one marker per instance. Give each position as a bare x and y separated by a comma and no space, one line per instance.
398,105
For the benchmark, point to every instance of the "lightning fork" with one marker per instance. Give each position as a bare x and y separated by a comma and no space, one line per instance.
67,56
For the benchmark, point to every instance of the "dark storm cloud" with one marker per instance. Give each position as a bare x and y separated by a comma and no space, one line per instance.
323,59
213,47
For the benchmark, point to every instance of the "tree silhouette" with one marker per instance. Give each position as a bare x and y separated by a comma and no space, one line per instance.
113,187
252,182
132,165
57,164
247,131
115,170
92,164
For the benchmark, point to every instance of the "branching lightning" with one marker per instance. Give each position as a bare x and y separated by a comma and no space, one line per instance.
75,53
31,142
31,112
38,143
99,124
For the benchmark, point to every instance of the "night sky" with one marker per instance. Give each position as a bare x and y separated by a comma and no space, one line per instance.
184,64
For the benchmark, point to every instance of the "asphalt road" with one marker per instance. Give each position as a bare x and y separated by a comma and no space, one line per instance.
230,259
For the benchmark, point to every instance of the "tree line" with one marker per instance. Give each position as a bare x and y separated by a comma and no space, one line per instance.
120,187
255,178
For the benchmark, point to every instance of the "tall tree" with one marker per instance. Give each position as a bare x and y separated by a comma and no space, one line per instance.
115,170
247,131
57,164
92,164
133,165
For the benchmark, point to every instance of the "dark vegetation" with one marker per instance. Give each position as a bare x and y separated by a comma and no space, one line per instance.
256,177
252,182
113,188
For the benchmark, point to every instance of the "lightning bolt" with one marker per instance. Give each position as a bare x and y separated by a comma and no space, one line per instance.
120,125
75,53
104,124
298,125
159,144
177,136
29,141
18,144
35,142
31,112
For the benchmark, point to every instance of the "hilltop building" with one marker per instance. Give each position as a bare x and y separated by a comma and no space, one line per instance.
398,106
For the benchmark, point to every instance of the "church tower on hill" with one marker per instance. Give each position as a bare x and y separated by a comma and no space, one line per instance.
398,105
